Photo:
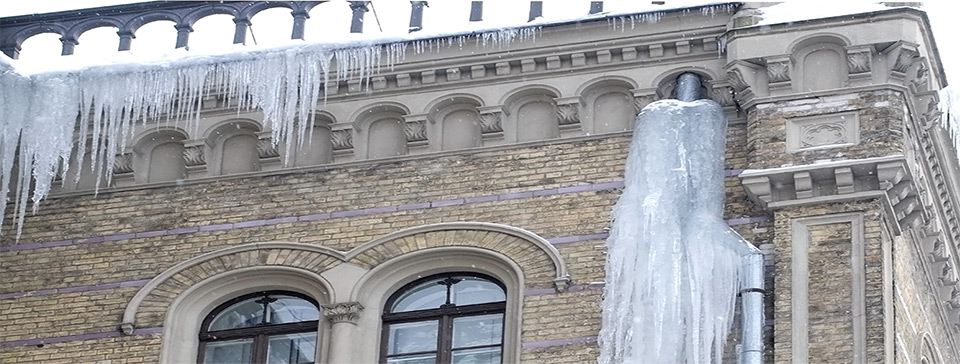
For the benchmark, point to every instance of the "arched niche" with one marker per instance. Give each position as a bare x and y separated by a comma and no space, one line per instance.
233,146
666,82
455,122
84,173
608,106
531,114
819,63
158,156
382,130
315,146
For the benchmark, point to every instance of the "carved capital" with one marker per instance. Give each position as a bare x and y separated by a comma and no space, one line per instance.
568,110
193,155
642,98
859,60
415,127
342,139
778,69
901,55
348,312
265,146
123,163
490,119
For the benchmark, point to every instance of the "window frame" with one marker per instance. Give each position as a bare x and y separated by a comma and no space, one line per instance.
444,315
259,333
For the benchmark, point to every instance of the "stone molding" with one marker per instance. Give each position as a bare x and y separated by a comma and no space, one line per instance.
887,178
823,131
165,287
800,284
344,312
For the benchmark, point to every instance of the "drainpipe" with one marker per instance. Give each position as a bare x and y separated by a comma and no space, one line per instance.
751,299
751,262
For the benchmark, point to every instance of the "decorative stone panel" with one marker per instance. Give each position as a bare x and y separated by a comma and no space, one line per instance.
859,62
823,131
778,72
568,112
193,153
415,129
491,120
123,164
642,98
342,139
265,147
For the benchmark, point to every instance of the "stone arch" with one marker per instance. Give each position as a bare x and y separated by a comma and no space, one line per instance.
667,81
826,54
149,307
315,147
929,350
531,114
540,262
19,37
232,146
150,17
255,7
454,122
381,130
205,11
75,31
517,258
608,105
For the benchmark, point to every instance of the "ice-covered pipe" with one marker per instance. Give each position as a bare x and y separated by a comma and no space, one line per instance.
688,87
751,300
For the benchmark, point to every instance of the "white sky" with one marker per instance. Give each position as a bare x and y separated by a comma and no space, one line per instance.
330,22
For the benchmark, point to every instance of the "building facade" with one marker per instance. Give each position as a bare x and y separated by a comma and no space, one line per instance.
456,205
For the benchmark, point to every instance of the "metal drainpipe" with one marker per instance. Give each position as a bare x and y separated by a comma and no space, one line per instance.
751,264
751,299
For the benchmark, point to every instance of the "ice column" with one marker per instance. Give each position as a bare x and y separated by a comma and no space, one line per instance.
673,263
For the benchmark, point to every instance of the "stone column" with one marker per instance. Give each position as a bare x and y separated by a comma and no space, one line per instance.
183,34
69,44
126,40
240,32
343,323
299,24
358,8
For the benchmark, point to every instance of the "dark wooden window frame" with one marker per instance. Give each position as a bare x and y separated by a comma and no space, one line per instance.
259,334
445,314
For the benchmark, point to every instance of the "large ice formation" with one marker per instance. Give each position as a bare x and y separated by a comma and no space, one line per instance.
672,262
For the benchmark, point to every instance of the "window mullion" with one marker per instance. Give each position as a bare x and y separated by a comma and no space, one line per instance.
445,340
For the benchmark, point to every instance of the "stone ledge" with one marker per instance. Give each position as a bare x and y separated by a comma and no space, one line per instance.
887,178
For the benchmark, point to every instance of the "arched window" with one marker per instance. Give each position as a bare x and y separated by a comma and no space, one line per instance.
276,327
447,318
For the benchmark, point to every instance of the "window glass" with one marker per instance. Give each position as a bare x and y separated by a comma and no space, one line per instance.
228,352
271,327
443,319
292,348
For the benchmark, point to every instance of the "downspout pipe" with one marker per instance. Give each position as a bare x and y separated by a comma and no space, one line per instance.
751,299
688,88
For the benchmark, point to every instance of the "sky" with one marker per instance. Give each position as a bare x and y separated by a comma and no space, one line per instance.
390,19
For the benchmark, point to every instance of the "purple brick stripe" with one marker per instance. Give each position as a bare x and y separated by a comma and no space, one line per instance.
81,337
559,342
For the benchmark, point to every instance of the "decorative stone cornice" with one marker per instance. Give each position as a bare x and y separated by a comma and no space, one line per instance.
887,178
344,312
